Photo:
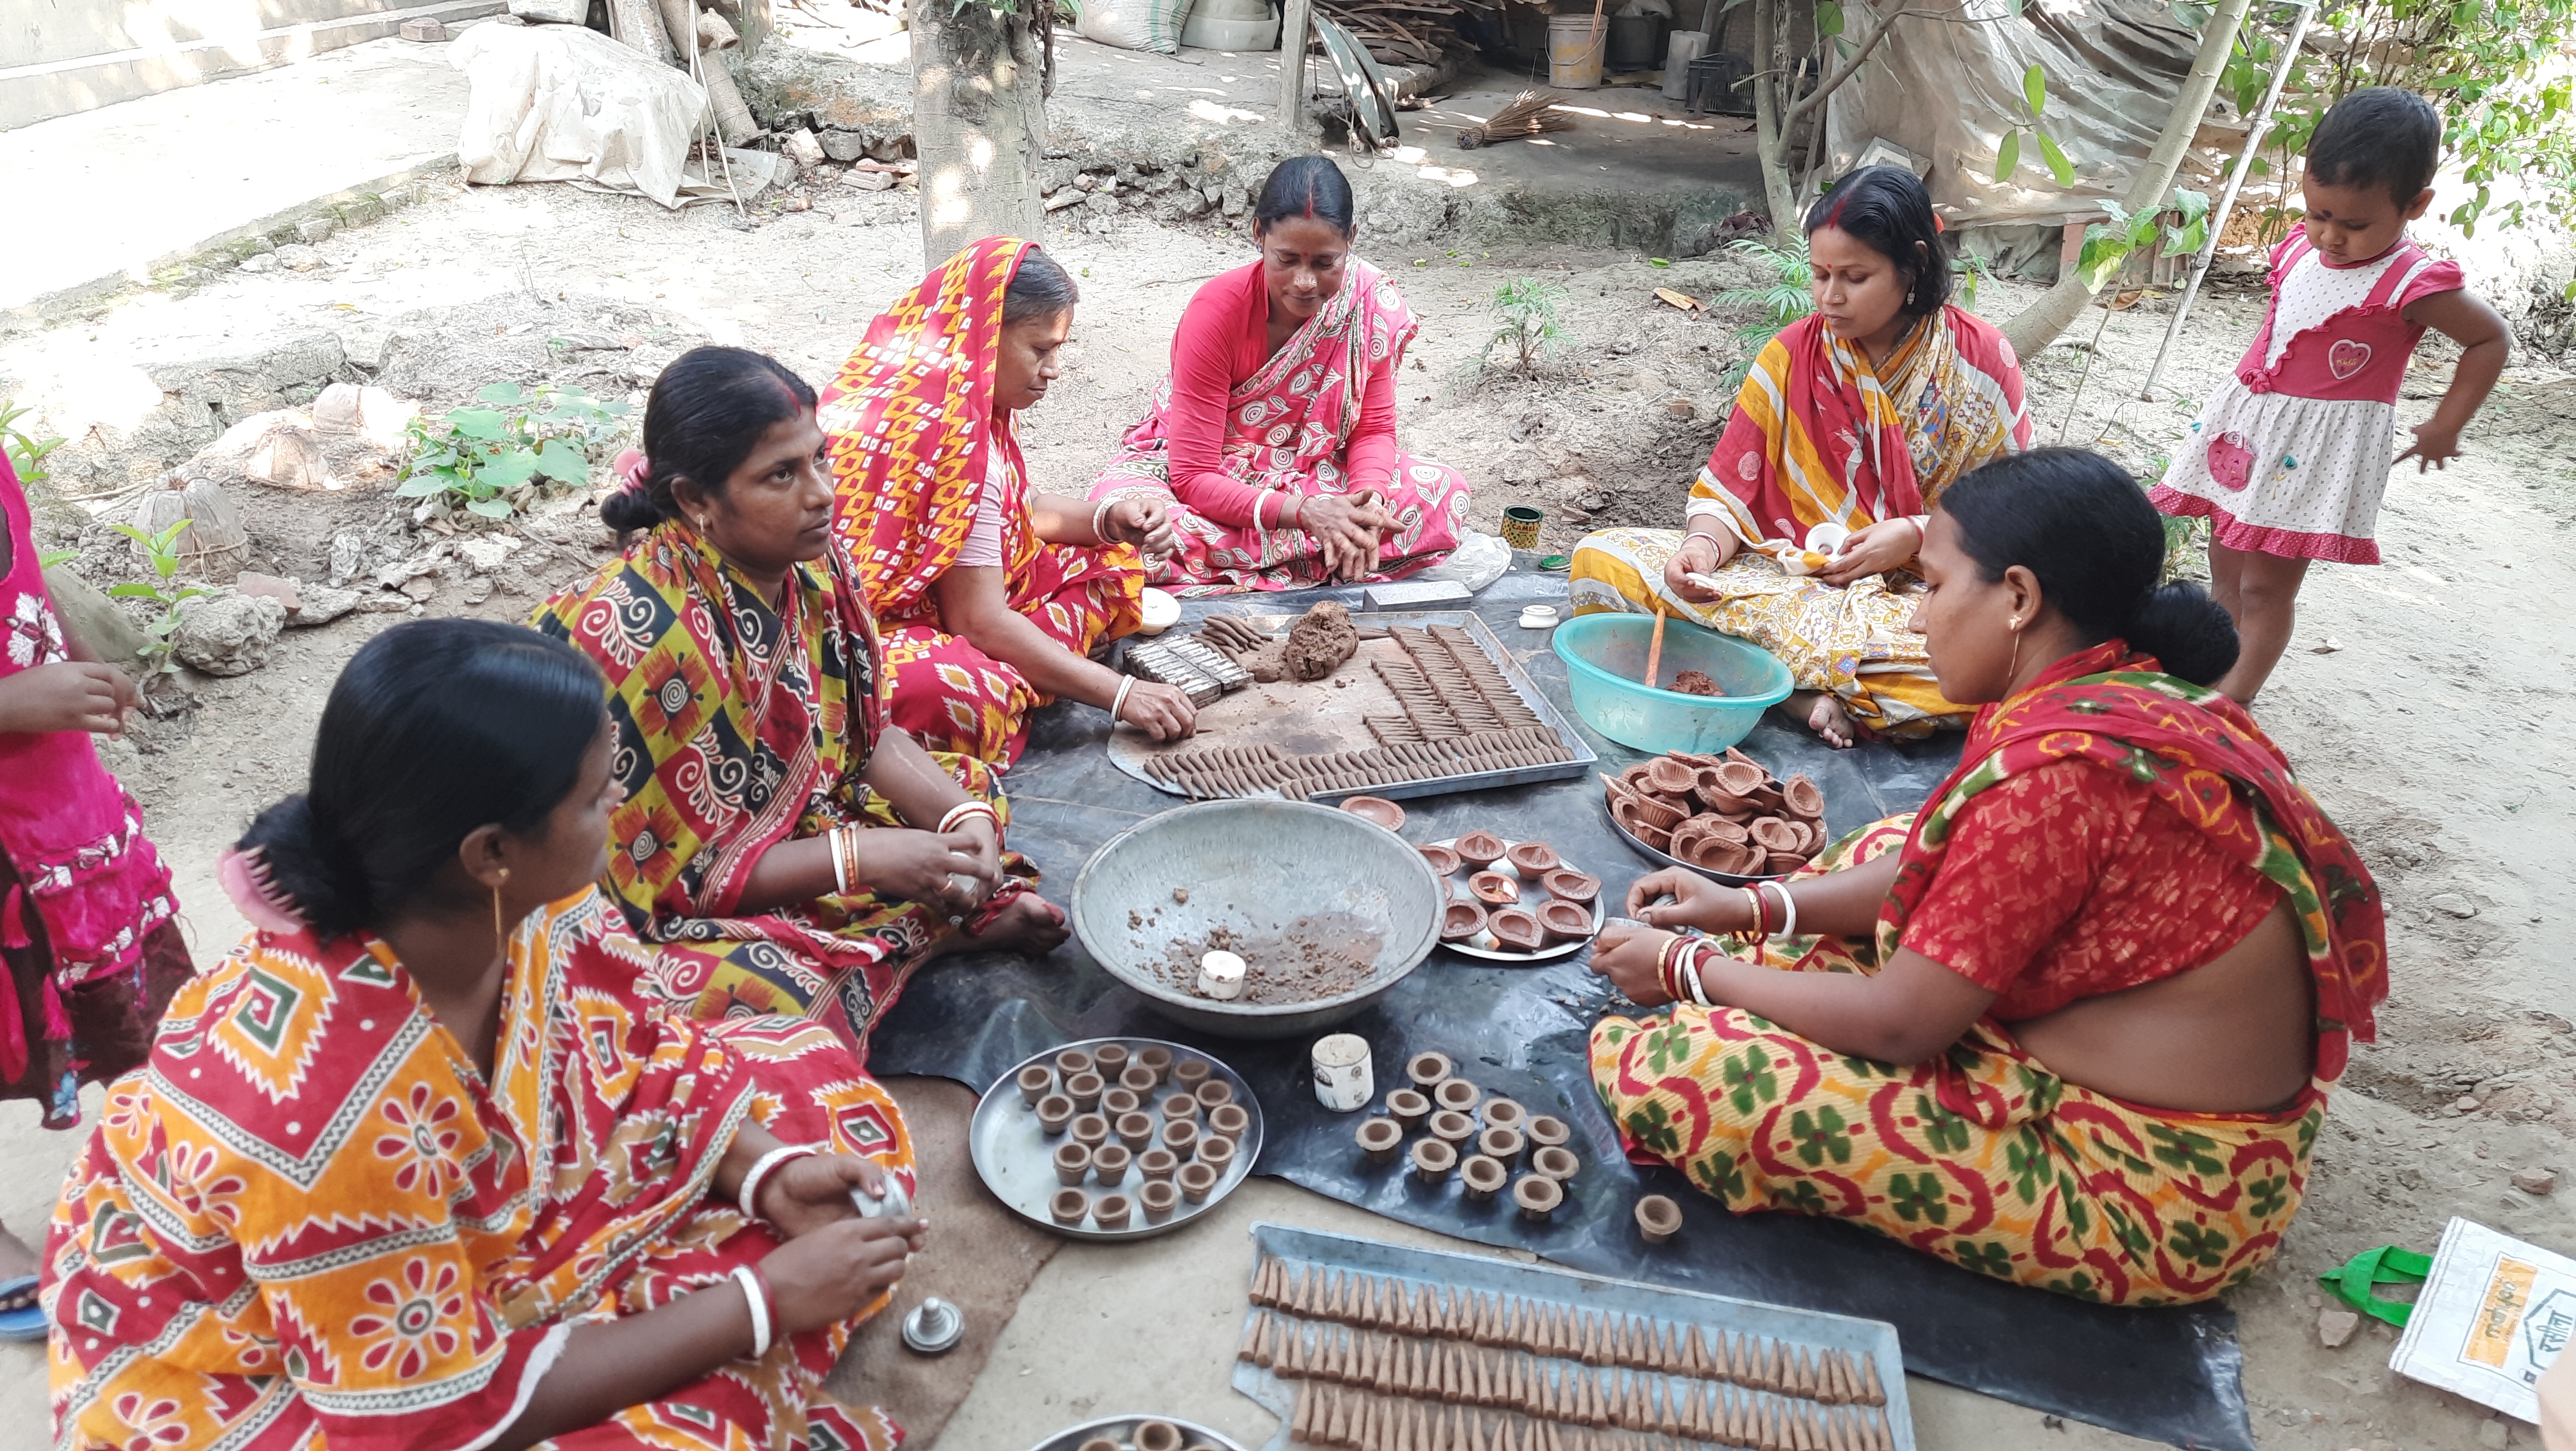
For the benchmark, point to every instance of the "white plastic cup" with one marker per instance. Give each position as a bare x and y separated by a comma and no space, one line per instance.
1221,976
1343,1082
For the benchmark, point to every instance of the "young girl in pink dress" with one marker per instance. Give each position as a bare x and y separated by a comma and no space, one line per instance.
2289,458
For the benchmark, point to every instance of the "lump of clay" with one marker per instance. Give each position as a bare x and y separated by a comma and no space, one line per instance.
1319,643
1694,682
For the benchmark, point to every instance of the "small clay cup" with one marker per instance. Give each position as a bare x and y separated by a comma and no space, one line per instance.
1216,1153
1035,1081
1532,858
1109,1060
1228,1121
1426,1069
1668,776
1546,1131
1538,1196
1090,1130
1451,1127
1158,1165
1555,1162
1179,1106
1139,1080
1072,1163
1072,1061
1117,1103
1109,1164
1054,1112
1658,1218
1457,1095
1155,1059
1181,1137
1189,1073
1409,1106
1442,859
1565,921
1098,1443
1213,1092
1504,1113
1516,930
1197,1181
1494,888
1803,797
1483,1176
1379,1138
1433,1159
1377,809
1500,1144
1085,1090
1069,1207
1112,1211
1461,921
1566,884
1478,848
1158,1198
1158,1436
1136,1131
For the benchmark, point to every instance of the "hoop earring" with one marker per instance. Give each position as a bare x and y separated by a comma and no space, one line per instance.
500,936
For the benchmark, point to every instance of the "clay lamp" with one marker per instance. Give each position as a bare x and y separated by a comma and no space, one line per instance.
1538,1196
1035,1080
1069,1207
1156,1060
1433,1159
1804,798
1109,1060
1634,778
1159,1198
1116,1103
1688,836
1112,1211
1090,1130
1483,1176
1085,1090
1555,1162
1500,1144
1564,921
1136,1131
1072,1061
1461,921
1634,822
1139,1079
1216,1153
1566,884
1546,1131
1768,801
1647,811
1516,930
1109,1164
1379,1138
1054,1112
1773,834
1158,1436
1377,809
1782,863
1442,859
1410,1106
1181,1137
1098,1443
1479,849
1668,776
1451,1127
1504,1113
1425,1069
1179,1106
1072,1163
1189,1073
1158,1165
1494,887
1213,1092
1457,1095
1734,859
1228,1121
1533,858
1197,1180
1658,1218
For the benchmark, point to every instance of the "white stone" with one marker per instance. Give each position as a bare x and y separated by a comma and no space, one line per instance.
264,262
804,146
321,604
297,257
226,633
2336,1326
484,553
2536,1181
2453,904
2492,1434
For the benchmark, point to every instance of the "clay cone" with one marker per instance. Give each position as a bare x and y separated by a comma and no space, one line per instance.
1870,1390
1667,1420
1301,1427
1250,1349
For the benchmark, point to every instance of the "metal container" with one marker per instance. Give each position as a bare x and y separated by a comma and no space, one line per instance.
1255,867
1121,1431
1016,1158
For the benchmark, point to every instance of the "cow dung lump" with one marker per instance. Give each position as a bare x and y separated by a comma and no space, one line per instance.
1319,643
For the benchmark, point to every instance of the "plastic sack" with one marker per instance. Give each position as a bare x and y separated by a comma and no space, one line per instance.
1153,25
566,103
1478,561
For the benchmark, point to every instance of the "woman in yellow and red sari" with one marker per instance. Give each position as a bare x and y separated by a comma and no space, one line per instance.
425,1164
2072,1025
992,597
1850,424
772,818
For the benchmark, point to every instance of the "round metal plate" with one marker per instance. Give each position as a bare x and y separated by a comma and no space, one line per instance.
1121,1431
1670,860
1017,1161
1531,895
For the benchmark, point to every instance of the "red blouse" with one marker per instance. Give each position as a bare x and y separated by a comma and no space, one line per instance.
2070,881
1224,338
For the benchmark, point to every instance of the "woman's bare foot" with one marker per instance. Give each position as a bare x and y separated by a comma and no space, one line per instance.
16,1262
1030,925
1826,717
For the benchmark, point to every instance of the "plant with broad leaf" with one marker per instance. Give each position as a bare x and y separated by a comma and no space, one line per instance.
2034,95
163,587
1526,320
1778,303
2109,245
495,459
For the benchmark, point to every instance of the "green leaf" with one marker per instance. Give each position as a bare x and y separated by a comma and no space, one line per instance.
421,486
48,558
2100,259
563,462
481,423
1829,18
134,591
1659,261
2008,156
2058,165
2193,204
509,469
491,508
2034,89
500,393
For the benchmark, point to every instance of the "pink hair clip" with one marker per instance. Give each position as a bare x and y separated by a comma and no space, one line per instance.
632,468
245,878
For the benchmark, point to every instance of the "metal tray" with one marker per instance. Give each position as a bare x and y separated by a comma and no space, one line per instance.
1016,1160
1530,892
1670,860
1680,1308
1122,1431
1128,750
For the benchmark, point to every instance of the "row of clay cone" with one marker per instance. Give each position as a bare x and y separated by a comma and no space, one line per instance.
1361,1421
1454,1374
1544,1327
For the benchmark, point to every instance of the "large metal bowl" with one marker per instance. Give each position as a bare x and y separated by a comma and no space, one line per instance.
1256,867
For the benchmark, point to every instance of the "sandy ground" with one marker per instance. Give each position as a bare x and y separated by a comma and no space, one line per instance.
2426,721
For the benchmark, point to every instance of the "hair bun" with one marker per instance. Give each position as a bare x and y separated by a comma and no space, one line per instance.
309,872
2189,633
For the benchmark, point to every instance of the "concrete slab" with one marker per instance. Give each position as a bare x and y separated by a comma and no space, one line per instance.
129,189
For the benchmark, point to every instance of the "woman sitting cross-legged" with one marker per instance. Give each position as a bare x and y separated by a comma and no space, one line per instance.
772,817
2072,1025
1272,442
424,1163
993,597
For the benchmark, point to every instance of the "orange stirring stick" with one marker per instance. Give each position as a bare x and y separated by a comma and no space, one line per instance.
1655,652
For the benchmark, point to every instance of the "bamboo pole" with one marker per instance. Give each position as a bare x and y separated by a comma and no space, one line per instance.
1297,17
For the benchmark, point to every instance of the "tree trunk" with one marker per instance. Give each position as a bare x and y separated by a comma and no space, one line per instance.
1770,131
2037,325
979,123
1296,25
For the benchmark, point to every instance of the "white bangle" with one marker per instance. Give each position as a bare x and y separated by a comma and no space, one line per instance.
1099,513
750,1282
1264,497
1788,911
1695,955
840,860
1125,683
964,809
746,1196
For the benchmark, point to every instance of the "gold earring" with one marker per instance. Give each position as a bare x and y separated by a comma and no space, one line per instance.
500,936
2014,669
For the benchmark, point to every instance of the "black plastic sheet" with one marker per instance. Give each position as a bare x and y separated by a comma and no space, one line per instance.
2168,1375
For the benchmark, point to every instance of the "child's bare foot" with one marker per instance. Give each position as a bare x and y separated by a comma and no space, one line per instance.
1030,925
1826,717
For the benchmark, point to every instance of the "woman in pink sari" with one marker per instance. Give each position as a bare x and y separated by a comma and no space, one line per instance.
1272,442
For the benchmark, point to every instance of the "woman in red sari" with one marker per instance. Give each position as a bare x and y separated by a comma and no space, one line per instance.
2071,1025
993,598
1272,443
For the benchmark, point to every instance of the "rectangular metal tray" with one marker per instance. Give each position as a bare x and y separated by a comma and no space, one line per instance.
1679,1309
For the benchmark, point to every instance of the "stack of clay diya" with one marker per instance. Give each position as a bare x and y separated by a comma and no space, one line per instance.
1135,1134
1494,905
1384,1362
1482,1140
1723,814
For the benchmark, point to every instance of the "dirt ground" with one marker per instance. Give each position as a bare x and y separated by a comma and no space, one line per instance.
2420,699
